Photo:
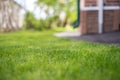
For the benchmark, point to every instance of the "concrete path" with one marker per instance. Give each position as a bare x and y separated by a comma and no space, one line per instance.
110,38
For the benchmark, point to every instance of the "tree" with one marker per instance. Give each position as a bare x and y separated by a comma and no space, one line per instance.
66,6
9,16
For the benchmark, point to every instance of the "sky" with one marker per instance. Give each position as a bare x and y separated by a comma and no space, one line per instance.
30,4
36,10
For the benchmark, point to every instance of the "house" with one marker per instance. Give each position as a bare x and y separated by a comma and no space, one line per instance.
99,16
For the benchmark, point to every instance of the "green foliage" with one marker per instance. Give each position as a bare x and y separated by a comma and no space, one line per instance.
30,22
67,6
40,56
47,2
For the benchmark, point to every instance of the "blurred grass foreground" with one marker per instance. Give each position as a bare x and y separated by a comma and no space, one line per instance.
31,55
29,51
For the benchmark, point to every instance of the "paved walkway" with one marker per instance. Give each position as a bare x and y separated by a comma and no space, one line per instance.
110,38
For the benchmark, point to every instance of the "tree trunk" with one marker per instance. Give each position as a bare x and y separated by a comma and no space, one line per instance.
9,16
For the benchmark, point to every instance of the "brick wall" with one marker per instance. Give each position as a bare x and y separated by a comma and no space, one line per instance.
89,22
83,23
92,21
111,21
111,2
111,17
91,2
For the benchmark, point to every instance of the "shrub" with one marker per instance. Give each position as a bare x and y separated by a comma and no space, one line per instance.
30,22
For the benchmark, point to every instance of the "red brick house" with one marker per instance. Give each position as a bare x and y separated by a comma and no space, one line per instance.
99,16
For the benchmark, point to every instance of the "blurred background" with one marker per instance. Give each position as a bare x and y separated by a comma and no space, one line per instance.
37,14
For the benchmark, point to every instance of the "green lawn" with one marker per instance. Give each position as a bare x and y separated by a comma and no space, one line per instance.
30,55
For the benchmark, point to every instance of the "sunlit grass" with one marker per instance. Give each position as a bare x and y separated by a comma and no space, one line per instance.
30,55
